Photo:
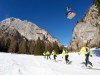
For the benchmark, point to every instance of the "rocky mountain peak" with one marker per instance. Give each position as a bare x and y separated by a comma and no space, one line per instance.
17,36
27,29
87,31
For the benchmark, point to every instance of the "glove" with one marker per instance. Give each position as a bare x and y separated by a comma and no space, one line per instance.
90,55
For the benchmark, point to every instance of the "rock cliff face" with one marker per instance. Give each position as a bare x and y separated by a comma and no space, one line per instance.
27,29
21,36
87,31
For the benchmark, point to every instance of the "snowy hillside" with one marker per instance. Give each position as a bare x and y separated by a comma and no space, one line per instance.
18,64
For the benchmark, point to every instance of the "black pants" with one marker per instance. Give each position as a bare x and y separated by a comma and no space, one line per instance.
66,58
87,60
55,57
48,56
44,56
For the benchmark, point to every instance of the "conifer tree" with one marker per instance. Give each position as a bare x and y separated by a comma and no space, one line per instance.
8,41
2,45
22,46
48,46
56,47
97,3
39,47
12,46
32,47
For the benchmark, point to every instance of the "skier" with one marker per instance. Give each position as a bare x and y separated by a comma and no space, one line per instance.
44,54
54,54
87,53
48,55
66,55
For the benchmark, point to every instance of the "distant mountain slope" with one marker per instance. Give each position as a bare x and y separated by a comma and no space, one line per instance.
27,29
21,36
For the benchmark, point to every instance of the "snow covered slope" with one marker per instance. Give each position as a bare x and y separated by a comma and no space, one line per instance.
18,64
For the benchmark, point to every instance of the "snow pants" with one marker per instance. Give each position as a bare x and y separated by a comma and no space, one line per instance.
66,58
55,57
48,56
87,60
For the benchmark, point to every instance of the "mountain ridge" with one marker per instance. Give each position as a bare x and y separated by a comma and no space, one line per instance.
26,29
86,31
19,36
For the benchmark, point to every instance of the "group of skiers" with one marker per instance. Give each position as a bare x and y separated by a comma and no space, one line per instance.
65,54
47,54
54,53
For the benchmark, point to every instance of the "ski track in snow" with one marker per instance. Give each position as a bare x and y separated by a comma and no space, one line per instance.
20,64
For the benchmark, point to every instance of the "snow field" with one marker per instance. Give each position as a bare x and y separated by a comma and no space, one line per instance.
21,64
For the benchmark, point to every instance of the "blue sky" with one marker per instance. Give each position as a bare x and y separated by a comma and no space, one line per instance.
47,14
